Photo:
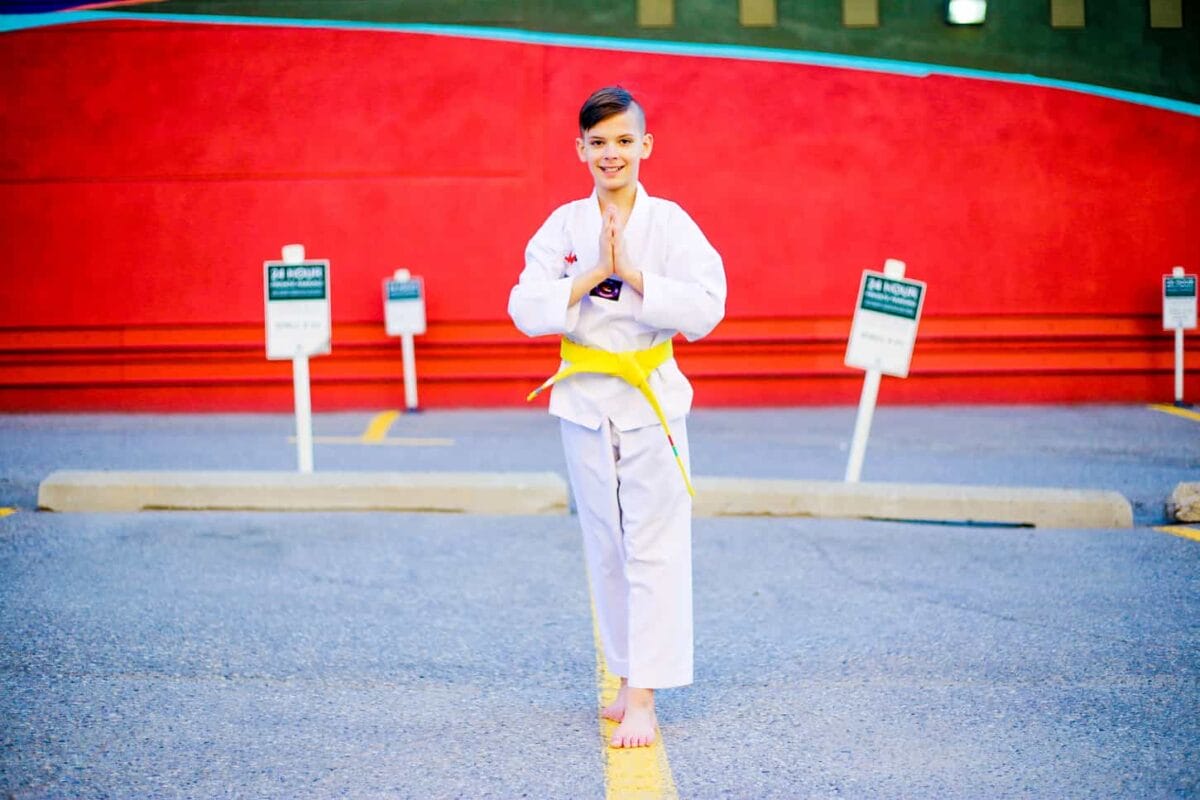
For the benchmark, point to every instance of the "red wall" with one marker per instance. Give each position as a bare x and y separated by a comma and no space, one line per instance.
147,169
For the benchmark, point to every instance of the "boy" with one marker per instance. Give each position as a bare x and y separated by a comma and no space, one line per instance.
618,274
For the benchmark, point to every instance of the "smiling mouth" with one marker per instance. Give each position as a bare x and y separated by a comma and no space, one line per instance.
611,170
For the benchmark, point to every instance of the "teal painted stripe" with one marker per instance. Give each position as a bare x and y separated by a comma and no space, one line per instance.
19,22
9,22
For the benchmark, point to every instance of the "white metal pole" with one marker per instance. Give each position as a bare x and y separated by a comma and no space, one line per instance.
410,371
862,425
294,254
1178,273
893,268
304,439
1179,366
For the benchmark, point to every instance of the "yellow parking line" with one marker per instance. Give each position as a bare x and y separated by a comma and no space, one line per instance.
636,773
1181,530
378,428
410,441
4,512
1179,412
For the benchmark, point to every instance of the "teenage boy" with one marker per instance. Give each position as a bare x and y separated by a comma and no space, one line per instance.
618,274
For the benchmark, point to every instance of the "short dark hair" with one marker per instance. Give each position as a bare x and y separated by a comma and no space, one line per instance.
605,103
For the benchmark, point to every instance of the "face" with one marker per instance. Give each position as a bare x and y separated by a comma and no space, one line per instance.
614,148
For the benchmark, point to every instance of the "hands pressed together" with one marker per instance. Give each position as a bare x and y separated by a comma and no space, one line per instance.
614,258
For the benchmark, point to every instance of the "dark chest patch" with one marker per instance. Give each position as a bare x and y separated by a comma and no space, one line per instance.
608,289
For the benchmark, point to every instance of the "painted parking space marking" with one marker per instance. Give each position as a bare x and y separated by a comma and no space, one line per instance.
636,773
411,441
378,427
1182,531
1179,412
377,434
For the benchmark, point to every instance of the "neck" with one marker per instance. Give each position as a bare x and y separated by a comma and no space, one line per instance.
622,198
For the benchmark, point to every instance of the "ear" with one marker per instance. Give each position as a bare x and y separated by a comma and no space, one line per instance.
647,144
579,149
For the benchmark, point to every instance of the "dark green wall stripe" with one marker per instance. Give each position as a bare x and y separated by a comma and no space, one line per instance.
10,22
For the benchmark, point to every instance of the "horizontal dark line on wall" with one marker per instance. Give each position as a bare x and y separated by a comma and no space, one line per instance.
268,178
695,376
454,349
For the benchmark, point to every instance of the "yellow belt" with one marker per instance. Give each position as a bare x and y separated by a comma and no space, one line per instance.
632,366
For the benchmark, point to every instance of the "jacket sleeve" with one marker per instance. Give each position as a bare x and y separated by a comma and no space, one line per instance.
538,304
689,295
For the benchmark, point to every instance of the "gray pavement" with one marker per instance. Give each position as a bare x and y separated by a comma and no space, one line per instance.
1138,452
386,655
212,655
283,656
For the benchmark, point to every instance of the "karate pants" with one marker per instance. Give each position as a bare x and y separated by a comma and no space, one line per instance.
636,517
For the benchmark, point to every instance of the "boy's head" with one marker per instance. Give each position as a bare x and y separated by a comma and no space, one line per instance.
612,139
608,102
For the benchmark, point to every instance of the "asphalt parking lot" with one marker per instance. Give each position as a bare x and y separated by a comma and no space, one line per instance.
183,654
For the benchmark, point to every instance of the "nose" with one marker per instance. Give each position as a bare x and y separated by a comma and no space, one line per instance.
610,150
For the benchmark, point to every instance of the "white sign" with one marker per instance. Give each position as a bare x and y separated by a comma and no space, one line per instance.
885,323
1179,301
298,316
404,306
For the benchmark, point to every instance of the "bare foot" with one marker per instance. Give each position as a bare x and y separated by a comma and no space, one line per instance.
637,728
616,709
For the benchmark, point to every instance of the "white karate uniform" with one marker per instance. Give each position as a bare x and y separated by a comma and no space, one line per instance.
633,506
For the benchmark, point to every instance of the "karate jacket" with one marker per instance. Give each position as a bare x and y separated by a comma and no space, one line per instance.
684,282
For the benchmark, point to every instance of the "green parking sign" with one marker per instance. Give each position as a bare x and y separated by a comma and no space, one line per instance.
1179,301
298,319
297,281
884,330
897,297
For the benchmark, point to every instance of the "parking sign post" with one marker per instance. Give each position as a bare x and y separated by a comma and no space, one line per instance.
299,325
1179,314
881,341
404,316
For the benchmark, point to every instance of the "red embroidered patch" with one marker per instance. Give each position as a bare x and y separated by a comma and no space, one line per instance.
570,257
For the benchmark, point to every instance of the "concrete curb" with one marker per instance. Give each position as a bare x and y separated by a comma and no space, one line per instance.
1049,508
1184,503
546,493
454,492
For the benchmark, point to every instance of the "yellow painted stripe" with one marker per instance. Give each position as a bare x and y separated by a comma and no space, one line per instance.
4,512
1179,412
1181,530
379,425
635,773
391,441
